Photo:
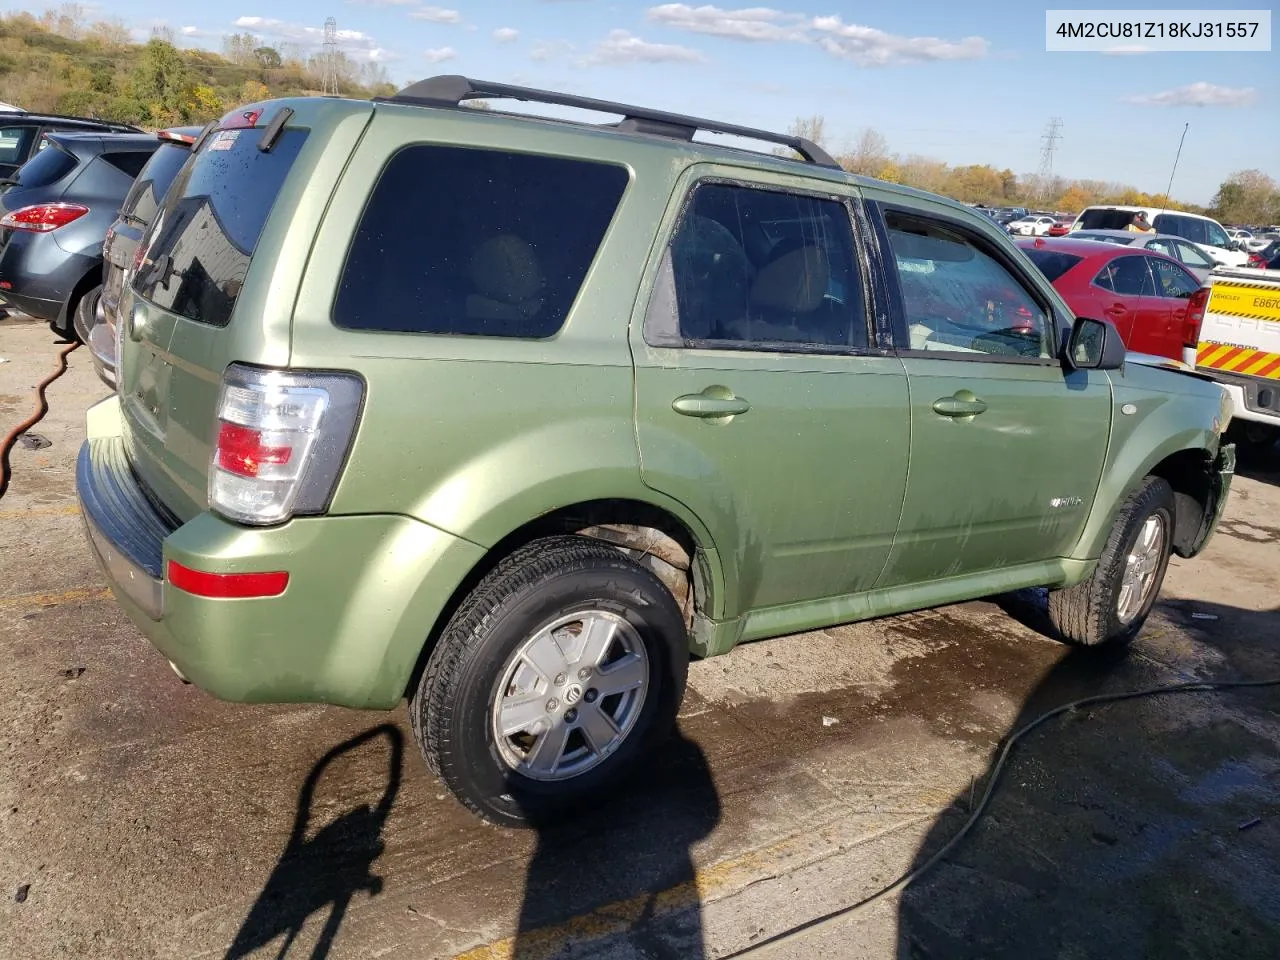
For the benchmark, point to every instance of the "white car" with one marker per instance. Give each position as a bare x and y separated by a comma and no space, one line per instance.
1205,232
1031,226
1254,243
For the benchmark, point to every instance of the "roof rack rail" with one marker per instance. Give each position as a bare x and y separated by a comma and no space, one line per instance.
451,90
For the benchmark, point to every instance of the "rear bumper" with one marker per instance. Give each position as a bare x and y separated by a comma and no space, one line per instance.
42,276
364,592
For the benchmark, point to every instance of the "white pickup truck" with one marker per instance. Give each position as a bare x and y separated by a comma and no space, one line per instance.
1240,348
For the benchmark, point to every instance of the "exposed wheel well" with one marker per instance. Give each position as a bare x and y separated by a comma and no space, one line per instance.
86,283
650,535
1188,472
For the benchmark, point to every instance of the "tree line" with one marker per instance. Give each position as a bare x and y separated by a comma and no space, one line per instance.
1245,197
61,62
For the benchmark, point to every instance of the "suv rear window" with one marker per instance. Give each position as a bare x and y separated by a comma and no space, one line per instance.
207,230
46,167
149,189
466,241
128,162
1106,219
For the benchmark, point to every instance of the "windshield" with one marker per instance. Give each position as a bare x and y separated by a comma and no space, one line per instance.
1052,263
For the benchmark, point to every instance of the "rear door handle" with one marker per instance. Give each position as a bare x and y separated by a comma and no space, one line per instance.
963,404
701,405
1117,310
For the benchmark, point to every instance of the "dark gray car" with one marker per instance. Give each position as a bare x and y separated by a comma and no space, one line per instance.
1184,251
54,215
96,327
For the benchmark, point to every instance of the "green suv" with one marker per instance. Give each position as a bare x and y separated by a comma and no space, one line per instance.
509,416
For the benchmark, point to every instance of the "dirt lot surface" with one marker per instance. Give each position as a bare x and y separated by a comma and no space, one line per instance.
141,818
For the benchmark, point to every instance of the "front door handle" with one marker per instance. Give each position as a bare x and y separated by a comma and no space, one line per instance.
1117,310
963,404
705,406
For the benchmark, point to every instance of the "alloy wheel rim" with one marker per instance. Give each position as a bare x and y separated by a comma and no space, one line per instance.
1140,568
570,695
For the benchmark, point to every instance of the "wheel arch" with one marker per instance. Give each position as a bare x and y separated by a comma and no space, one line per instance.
676,550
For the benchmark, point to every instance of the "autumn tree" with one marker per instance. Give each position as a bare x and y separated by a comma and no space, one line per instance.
869,154
240,48
812,128
1248,196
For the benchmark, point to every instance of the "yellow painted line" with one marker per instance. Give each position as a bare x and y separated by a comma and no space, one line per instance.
708,884
62,510
54,599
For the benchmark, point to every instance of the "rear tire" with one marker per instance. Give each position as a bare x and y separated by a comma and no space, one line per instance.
1113,603
519,710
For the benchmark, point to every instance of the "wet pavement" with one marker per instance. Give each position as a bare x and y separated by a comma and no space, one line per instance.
141,818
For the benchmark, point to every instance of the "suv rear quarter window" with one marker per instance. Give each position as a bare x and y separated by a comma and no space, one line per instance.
201,242
46,167
475,242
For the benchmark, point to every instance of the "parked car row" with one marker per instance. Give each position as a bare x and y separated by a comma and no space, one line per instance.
1204,232
81,196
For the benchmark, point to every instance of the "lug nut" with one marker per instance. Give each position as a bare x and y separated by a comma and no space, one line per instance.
552,705
584,673
590,695
560,679
570,715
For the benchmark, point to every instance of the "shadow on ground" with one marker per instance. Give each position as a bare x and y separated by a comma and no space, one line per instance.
323,867
1261,463
1143,829
632,853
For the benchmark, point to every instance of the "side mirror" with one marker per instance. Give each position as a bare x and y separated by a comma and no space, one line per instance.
1094,345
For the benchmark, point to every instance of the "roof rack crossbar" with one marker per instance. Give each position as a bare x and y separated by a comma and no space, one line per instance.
451,90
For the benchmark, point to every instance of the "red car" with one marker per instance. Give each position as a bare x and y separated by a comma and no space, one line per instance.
1155,302
1062,227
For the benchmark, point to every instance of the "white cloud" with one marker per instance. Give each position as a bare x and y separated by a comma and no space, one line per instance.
752,23
1199,94
304,34
505,34
869,47
545,50
436,15
622,46
440,54
865,46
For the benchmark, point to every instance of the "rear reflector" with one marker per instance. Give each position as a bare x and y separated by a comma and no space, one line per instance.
43,217
227,585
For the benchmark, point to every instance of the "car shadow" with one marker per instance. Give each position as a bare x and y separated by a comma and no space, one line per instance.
1259,463
322,868
632,853
1146,828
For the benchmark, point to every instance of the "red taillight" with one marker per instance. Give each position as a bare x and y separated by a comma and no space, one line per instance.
241,450
1192,322
240,121
43,217
1256,261
227,585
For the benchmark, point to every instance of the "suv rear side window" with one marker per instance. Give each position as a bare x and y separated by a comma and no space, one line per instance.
46,167
207,230
1106,219
149,189
1189,228
14,143
128,162
759,269
476,242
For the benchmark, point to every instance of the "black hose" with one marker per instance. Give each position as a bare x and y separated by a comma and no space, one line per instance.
917,872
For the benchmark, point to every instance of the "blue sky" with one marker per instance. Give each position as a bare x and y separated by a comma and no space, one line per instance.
964,83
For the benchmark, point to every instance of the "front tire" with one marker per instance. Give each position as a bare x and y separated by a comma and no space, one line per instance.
1113,603
560,671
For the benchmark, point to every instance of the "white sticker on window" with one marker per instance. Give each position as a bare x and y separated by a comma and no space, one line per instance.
224,140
